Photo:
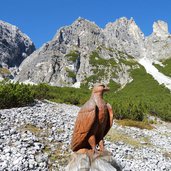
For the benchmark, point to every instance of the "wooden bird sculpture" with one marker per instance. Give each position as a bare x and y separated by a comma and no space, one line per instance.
93,122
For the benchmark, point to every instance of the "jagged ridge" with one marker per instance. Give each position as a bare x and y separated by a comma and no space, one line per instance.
66,60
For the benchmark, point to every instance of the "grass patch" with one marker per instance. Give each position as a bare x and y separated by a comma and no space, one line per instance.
4,71
98,76
60,156
137,124
106,48
167,67
32,128
167,155
47,149
59,131
96,60
72,55
71,74
56,155
115,136
113,86
146,141
141,97
128,61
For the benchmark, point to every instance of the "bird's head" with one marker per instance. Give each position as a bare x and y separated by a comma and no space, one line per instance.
100,88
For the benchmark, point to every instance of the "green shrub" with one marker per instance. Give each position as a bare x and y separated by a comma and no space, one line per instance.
140,97
66,95
15,95
137,99
96,60
71,73
129,109
72,55
41,91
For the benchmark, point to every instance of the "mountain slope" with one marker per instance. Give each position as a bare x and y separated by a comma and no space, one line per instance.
83,53
75,55
161,78
164,66
141,97
15,46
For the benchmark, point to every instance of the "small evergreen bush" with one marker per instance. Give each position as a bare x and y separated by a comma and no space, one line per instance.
15,95
41,91
137,99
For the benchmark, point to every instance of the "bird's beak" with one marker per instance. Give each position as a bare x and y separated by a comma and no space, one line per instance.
106,88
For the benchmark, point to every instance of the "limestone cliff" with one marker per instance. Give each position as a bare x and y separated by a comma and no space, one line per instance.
158,44
78,53
15,46
83,53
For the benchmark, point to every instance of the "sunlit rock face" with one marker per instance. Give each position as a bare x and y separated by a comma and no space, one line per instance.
158,44
160,29
126,36
65,59
84,53
15,46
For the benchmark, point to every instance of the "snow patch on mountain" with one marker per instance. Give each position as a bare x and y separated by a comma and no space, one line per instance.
152,70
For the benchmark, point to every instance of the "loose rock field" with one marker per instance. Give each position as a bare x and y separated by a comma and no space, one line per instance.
37,138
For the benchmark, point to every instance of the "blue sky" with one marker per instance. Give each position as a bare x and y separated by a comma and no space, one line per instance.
40,19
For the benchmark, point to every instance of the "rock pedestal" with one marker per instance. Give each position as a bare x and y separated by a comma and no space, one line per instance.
102,162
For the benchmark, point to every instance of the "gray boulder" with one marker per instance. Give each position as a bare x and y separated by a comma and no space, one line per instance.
104,162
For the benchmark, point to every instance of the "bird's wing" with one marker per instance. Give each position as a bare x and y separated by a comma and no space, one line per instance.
110,118
84,123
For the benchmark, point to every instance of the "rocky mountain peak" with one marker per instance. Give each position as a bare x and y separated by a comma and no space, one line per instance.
15,46
158,44
65,59
160,29
84,53
122,22
8,26
125,35
134,30
81,33
84,22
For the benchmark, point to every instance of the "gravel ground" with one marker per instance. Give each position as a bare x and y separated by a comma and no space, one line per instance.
37,138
